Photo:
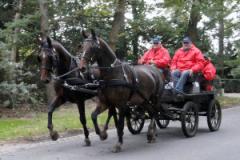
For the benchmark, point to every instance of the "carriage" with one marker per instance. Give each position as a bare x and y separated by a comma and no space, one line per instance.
186,108
164,106
138,84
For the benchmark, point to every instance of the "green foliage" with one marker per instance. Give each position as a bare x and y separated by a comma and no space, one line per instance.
74,16
6,12
29,32
13,94
236,72
13,88
231,85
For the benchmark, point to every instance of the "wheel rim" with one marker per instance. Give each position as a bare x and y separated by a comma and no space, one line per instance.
163,122
214,116
136,124
190,119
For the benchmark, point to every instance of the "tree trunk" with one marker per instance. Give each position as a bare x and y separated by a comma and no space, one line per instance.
118,23
221,39
195,17
44,33
135,35
44,18
135,46
14,54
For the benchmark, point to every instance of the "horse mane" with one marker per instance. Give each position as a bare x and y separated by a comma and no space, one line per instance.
105,45
61,49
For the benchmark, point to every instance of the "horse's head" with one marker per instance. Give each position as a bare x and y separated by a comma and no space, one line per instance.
46,58
90,48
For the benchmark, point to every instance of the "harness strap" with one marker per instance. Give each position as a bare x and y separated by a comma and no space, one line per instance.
77,63
134,82
124,73
135,87
114,83
65,74
113,64
121,83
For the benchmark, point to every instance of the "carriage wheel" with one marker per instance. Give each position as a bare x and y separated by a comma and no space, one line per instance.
214,115
189,119
135,120
162,123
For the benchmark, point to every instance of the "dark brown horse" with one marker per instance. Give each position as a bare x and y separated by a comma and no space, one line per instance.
122,84
55,58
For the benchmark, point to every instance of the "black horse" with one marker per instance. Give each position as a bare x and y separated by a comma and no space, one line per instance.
55,58
122,84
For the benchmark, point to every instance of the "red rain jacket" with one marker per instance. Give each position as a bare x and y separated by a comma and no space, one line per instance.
160,56
190,59
209,71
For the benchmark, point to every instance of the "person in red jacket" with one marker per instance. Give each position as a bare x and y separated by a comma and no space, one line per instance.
209,73
157,55
186,61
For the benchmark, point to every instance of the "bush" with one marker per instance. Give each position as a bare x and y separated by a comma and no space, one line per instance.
231,85
13,94
13,89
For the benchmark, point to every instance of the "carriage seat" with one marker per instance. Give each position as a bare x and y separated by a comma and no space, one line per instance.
197,80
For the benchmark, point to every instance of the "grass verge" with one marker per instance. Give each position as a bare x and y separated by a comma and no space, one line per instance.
32,126
228,101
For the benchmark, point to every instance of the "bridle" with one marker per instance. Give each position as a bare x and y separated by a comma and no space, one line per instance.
51,54
96,44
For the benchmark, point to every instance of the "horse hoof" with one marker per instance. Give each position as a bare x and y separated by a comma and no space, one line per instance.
151,140
87,142
54,135
103,136
149,137
117,148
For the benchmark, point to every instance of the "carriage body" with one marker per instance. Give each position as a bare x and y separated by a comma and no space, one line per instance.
201,99
186,109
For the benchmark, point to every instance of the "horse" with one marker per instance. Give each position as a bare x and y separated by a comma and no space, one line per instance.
53,57
123,85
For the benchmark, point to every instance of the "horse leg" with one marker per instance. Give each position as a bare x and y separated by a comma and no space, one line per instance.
81,110
53,105
98,110
115,118
151,134
120,127
103,134
111,112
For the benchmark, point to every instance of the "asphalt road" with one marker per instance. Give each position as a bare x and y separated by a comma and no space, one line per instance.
170,145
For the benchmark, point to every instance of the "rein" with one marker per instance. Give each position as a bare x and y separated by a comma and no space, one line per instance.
73,58
97,67
65,74
77,68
